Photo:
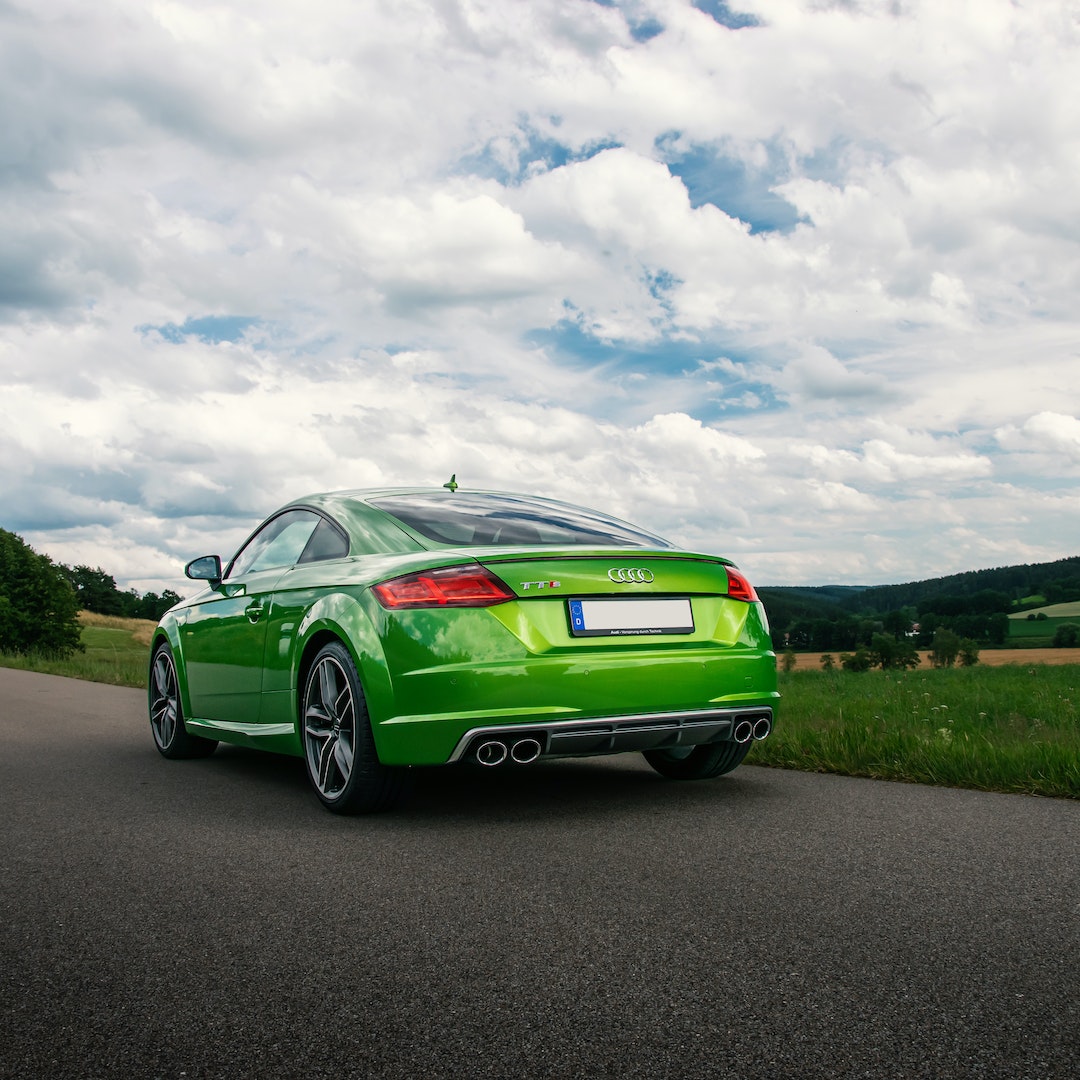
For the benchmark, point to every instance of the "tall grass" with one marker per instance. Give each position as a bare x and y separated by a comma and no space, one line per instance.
117,651
1011,729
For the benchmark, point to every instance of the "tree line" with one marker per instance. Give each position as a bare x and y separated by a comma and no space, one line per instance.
951,617
40,600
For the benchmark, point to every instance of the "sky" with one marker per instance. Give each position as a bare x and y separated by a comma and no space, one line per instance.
795,282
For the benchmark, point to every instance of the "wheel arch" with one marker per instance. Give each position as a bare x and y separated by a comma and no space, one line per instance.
342,618
168,632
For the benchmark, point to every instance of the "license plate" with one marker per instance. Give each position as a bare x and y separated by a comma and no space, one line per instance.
609,618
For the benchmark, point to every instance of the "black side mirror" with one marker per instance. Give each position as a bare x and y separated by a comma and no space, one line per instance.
205,568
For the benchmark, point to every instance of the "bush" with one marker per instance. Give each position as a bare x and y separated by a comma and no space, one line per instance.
38,607
859,660
891,652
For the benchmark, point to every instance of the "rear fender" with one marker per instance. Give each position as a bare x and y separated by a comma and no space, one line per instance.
344,617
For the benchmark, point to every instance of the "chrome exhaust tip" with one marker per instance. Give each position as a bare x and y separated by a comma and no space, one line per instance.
525,751
491,753
744,731
762,728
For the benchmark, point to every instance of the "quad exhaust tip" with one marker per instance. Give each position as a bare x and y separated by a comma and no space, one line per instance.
748,729
492,752
525,751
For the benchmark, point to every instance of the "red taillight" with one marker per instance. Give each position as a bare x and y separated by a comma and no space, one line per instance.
452,586
738,587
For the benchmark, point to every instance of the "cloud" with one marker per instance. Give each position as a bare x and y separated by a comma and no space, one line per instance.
822,320
1050,433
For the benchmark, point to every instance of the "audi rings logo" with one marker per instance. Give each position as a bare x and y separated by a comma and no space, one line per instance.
630,575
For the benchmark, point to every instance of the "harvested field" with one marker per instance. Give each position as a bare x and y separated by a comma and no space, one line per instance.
987,657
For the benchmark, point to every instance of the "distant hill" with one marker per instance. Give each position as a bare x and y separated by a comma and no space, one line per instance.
1004,589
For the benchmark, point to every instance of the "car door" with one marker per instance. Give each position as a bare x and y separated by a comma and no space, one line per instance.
224,636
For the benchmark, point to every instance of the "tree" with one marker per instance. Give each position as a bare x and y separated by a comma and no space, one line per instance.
1066,636
152,606
969,652
96,590
946,648
889,652
39,612
899,622
787,660
827,662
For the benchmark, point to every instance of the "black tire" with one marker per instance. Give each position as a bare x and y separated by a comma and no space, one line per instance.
339,748
699,762
167,713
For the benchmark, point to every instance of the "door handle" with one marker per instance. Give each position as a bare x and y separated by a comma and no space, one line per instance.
254,611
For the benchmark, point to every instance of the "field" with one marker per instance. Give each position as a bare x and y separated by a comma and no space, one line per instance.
117,652
987,658
1014,727
1041,631
1010,723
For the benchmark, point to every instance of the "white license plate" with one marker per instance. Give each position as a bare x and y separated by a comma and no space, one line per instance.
596,618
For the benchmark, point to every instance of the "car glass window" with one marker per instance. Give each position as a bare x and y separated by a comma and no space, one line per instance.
326,542
278,543
482,519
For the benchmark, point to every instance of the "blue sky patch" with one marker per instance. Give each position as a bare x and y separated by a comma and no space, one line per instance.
645,30
690,381
719,10
731,185
535,152
213,329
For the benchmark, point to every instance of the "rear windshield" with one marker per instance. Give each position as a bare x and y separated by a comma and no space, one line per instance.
510,521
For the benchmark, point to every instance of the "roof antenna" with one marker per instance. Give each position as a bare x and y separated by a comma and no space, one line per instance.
452,484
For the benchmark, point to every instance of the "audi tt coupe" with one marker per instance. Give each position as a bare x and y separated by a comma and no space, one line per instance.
370,632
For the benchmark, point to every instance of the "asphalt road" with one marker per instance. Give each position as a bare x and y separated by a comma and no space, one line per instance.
578,919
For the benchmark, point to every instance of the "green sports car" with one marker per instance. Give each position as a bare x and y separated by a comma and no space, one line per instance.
372,631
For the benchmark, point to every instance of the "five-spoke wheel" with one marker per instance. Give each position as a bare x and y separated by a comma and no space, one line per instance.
166,711
338,745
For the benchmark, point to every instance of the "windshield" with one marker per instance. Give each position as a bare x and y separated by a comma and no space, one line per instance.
510,521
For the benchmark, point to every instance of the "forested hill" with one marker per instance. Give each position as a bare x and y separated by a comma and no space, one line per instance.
1001,588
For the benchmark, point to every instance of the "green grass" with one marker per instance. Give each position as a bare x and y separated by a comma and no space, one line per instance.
1060,612
1014,728
1040,632
117,652
1009,729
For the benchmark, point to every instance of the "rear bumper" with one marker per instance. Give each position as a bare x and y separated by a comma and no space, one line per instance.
619,734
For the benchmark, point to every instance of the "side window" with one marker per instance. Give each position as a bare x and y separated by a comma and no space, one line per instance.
325,543
278,543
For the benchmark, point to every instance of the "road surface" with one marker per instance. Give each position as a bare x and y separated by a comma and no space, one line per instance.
577,919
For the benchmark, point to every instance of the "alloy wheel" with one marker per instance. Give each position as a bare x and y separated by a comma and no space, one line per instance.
329,727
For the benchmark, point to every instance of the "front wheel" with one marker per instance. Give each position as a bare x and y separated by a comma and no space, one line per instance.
339,748
167,713
698,762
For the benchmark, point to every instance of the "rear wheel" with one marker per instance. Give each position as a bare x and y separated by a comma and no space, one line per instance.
167,713
698,762
339,748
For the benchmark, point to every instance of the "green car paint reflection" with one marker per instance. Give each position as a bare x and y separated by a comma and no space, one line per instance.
372,631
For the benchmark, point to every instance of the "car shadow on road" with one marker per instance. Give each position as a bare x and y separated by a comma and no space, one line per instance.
547,790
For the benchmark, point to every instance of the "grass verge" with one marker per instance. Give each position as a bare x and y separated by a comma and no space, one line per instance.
117,651
1009,729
